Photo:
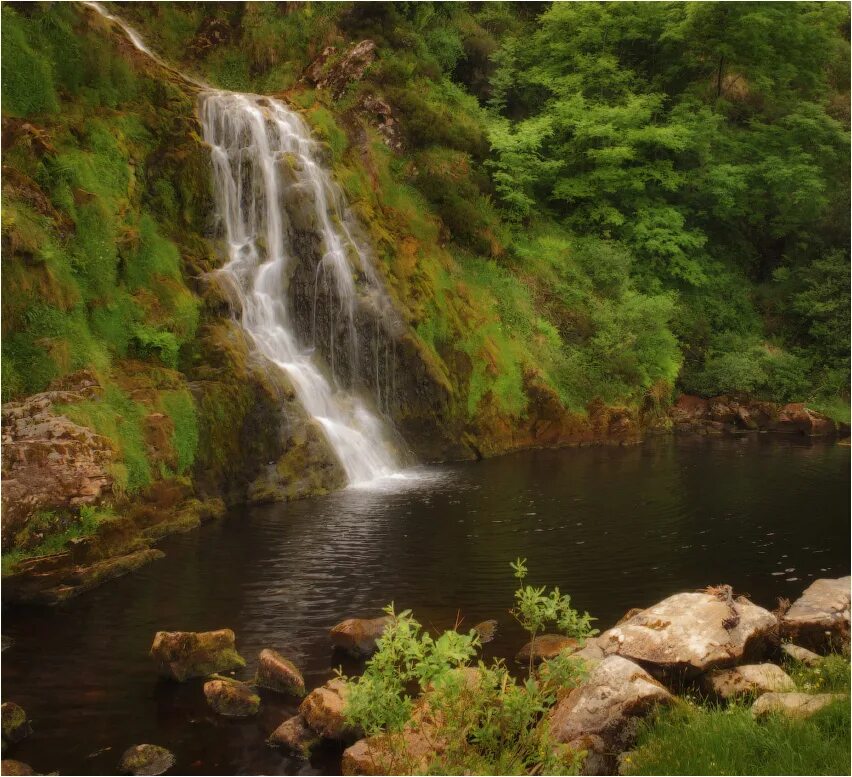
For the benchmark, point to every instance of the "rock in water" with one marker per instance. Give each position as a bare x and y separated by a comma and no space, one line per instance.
146,759
295,735
322,710
793,705
803,655
596,716
231,698
547,646
357,636
15,724
486,631
10,767
279,674
184,654
819,618
747,679
690,633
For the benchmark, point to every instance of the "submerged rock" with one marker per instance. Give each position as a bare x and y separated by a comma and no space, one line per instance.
16,726
146,759
747,679
231,698
295,735
322,710
486,631
11,767
691,633
358,636
596,716
279,674
793,705
803,655
184,654
819,618
547,646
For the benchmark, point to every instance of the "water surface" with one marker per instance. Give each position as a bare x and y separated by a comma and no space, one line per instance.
615,527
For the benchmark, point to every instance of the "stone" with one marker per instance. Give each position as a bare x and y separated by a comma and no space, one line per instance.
231,698
146,759
545,647
690,633
9,766
358,636
184,654
49,462
294,735
796,418
616,692
747,679
486,631
793,705
410,751
322,710
16,726
336,76
803,655
819,618
278,674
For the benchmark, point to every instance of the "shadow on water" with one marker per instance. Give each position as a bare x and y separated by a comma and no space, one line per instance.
615,527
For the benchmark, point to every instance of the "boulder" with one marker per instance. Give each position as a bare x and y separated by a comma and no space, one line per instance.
545,647
231,698
486,631
146,759
10,766
803,655
819,618
294,735
796,418
793,705
616,692
410,751
322,710
747,679
16,726
358,636
184,654
691,633
279,674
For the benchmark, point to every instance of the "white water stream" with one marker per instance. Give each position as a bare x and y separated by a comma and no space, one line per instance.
260,149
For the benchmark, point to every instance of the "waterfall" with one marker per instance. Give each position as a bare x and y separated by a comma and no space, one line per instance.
262,155
262,151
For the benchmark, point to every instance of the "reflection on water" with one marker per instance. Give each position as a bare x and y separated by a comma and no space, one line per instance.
615,527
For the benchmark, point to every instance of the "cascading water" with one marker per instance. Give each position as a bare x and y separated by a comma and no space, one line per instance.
254,140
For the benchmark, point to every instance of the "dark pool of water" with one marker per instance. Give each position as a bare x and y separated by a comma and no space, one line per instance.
615,527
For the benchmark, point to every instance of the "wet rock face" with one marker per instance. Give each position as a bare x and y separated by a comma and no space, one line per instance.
48,461
749,679
596,716
294,735
819,618
231,698
358,636
16,726
146,759
326,73
181,655
322,710
690,633
279,674
794,705
545,647
10,766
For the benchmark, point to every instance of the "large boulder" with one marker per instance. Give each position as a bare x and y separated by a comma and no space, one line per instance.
294,735
184,654
358,636
819,618
322,710
231,698
146,759
691,633
796,418
279,674
793,705
545,647
410,751
597,716
749,679
16,726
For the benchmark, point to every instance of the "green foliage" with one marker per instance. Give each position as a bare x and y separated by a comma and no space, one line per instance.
181,409
28,87
832,674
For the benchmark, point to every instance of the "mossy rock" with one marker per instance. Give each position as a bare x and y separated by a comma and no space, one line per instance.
146,759
181,655
231,698
16,726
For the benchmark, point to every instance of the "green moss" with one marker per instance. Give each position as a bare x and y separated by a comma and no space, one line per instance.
181,409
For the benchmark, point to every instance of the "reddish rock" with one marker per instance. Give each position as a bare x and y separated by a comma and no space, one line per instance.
184,654
322,710
545,647
688,408
279,674
231,698
295,735
358,636
796,418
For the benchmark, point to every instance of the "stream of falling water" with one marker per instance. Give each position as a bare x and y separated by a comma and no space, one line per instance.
254,140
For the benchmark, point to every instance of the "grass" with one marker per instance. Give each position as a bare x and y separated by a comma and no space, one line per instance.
689,738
